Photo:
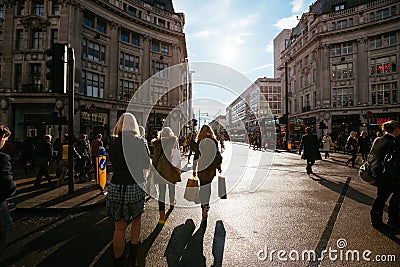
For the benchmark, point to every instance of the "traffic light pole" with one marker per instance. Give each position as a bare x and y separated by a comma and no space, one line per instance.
287,107
71,72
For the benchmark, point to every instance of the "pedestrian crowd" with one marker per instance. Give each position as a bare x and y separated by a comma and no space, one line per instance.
131,159
383,155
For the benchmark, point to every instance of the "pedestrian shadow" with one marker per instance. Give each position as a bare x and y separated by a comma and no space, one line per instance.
360,198
185,249
351,192
148,242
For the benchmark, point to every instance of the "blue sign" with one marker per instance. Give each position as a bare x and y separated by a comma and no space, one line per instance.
102,164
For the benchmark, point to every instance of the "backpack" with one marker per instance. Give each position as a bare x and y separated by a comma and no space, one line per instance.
365,171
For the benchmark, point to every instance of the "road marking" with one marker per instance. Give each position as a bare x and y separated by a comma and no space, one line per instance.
323,242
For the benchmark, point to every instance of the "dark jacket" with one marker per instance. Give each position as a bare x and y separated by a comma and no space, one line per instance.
205,153
128,159
379,149
44,153
364,144
351,144
162,160
83,148
7,184
310,144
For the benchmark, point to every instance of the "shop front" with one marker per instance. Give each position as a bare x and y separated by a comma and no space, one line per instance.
94,121
374,124
342,125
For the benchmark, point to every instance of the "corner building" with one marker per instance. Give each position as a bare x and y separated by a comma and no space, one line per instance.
118,45
342,65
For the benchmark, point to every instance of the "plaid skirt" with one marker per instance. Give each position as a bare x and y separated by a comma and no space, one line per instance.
125,201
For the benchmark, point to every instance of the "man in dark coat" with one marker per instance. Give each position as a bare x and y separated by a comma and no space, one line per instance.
44,155
7,189
311,153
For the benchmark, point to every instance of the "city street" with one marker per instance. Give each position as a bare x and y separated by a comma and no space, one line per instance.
288,219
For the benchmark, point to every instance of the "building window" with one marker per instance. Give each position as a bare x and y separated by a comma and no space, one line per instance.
124,35
164,48
93,51
315,99
339,7
161,23
393,11
54,36
159,69
155,46
101,25
19,39
383,65
92,84
386,93
132,10
35,75
341,24
135,39
382,14
21,8
1,41
36,40
55,9
335,50
18,77
342,71
127,89
159,95
88,19
347,48
342,97
38,8
128,62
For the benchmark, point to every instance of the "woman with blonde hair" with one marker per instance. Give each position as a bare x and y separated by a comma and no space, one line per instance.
126,195
166,173
207,159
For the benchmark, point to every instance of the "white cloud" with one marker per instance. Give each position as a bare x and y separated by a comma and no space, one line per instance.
286,23
263,67
240,38
298,6
202,34
269,48
244,22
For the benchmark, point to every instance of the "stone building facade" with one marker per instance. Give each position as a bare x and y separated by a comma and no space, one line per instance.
118,45
341,62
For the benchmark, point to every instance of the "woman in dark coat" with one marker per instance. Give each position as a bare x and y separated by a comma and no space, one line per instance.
388,182
207,159
311,153
365,145
166,173
126,191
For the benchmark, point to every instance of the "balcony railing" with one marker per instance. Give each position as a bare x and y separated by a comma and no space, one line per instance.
32,88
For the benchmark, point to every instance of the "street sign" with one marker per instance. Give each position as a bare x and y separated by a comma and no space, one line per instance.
101,172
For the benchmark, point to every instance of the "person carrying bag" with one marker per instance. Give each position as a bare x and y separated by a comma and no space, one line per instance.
167,170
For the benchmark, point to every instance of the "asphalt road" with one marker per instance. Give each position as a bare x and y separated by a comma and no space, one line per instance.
275,215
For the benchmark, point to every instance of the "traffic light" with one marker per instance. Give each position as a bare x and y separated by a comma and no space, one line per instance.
283,119
57,65
322,125
194,122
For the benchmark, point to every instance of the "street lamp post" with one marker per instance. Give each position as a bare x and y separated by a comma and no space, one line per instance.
287,106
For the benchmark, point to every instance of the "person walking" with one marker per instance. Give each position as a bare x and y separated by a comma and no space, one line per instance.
365,145
95,146
83,149
43,157
7,189
352,146
166,173
207,160
29,147
192,145
388,182
326,142
126,191
311,153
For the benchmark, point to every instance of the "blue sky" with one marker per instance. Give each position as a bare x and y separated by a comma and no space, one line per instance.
236,33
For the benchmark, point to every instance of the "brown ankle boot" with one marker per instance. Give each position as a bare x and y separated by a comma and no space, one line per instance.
162,216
